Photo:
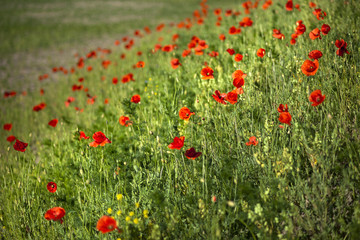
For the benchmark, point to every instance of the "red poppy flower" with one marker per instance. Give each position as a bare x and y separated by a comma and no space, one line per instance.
140,64
238,57
233,30
230,51
315,54
285,117
300,28
238,78
7,126
260,52
168,48
289,5
312,5
106,224
320,14
325,29
283,108
207,73
252,141
39,107
231,97
213,54
186,53
219,97
177,143
100,139
55,214
82,135
342,45
309,68
20,146
297,6
314,34
175,63
192,154
267,4
135,99
293,41
115,80
217,11
53,122
222,37
125,121
277,34
51,187
316,98
185,113
11,138
9,94
246,22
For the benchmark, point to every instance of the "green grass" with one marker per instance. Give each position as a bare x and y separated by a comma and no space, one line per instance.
299,182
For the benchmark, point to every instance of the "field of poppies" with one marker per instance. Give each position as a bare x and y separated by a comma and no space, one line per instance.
239,122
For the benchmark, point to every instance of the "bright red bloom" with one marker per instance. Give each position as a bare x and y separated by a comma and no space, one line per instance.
238,57
175,63
219,97
297,6
283,108
314,34
140,64
207,73
312,5
125,121
55,214
106,224
53,122
135,99
277,34
20,146
252,141
192,154
230,51
167,48
342,45
222,37
238,78
293,41
82,135
315,54
260,52
100,139
115,80
285,117
320,14
325,29
186,53
185,113
289,5
11,138
177,143
233,30
309,68
246,22
39,107
231,97
7,126
51,187
316,98
300,28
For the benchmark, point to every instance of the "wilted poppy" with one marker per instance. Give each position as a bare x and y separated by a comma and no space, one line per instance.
316,98
125,121
260,52
175,63
238,57
7,126
106,224
135,99
252,141
325,29
20,146
100,139
309,68
207,73
314,34
219,97
55,214
315,54
230,51
192,154
82,135
342,45
285,117
11,138
177,143
53,122
51,187
185,113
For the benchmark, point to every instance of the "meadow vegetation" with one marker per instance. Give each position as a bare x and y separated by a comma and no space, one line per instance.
279,160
